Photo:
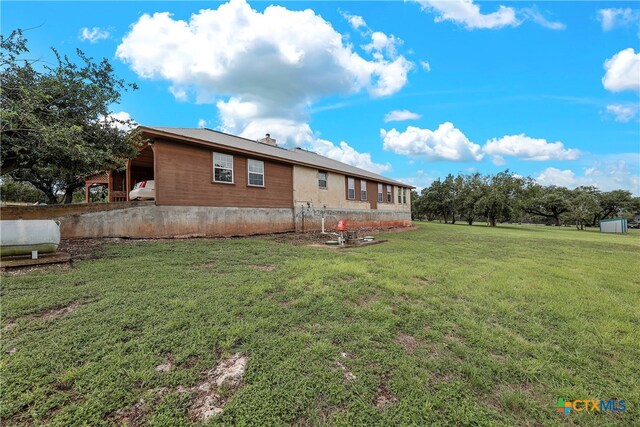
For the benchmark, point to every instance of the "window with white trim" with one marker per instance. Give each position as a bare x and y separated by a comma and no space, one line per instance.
256,173
389,194
404,195
380,199
322,180
222,168
351,188
363,189
400,193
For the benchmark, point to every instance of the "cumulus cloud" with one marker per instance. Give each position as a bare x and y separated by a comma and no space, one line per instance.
345,153
425,66
265,70
527,148
623,113
234,49
202,123
607,175
445,143
93,35
468,14
622,71
400,115
617,18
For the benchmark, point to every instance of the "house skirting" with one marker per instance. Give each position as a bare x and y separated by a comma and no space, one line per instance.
146,220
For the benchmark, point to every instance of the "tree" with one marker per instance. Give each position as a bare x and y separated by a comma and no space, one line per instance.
584,205
56,126
548,202
612,203
472,189
499,202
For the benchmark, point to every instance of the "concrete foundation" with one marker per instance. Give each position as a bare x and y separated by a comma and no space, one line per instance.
146,220
310,219
176,221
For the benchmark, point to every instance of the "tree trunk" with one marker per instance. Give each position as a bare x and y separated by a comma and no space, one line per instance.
492,221
470,221
454,219
557,218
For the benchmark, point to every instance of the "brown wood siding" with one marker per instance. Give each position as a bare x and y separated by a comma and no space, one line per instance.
372,194
184,177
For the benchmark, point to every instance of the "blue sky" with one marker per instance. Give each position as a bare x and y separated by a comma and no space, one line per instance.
413,90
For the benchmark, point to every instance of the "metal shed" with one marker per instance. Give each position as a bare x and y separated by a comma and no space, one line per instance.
615,225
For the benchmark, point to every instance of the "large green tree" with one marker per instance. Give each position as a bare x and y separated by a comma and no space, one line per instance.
549,202
56,126
501,200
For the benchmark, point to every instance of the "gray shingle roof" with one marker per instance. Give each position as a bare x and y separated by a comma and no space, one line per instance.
297,155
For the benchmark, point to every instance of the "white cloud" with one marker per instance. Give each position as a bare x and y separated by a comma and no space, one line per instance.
420,179
623,113
616,18
622,71
226,55
468,14
202,123
121,120
606,174
534,15
234,49
445,143
93,35
527,148
425,66
355,21
400,115
345,153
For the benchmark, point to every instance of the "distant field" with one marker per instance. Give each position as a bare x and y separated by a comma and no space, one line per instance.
442,325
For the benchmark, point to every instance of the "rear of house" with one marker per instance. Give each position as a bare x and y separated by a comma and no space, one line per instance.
209,183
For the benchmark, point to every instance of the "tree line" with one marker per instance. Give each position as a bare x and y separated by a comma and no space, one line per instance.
507,197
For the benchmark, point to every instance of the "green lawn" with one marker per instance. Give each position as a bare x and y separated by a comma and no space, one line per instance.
442,325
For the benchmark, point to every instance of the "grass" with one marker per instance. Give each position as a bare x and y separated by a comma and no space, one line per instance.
455,325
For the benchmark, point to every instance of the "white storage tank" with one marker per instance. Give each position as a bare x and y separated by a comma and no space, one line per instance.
615,225
21,237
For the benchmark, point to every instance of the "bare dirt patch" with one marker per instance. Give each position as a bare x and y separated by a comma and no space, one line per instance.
384,398
348,375
264,267
167,366
58,312
408,342
135,415
219,384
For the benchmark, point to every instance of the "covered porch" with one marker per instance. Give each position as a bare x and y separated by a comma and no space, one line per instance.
120,182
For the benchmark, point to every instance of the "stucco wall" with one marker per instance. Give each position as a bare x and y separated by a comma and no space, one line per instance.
306,192
171,221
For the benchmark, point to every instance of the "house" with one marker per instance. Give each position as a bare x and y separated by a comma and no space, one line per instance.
212,183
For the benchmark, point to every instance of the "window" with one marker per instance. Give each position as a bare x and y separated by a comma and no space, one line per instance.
363,189
222,167
322,180
389,194
404,195
256,173
380,193
400,193
351,188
